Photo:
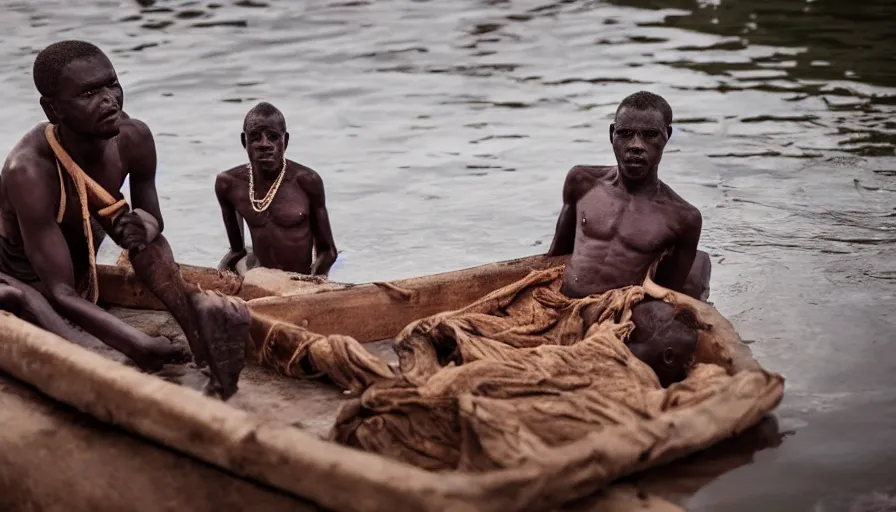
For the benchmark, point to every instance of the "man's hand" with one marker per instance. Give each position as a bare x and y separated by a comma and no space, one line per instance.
129,231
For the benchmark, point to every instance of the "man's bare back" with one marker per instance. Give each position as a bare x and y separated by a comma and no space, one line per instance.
294,222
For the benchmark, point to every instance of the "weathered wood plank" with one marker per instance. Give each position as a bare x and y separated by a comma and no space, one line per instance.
120,287
376,311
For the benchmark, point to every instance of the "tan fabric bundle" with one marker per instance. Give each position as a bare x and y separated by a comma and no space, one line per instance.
300,353
534,389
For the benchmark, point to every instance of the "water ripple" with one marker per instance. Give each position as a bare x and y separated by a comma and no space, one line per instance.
430,91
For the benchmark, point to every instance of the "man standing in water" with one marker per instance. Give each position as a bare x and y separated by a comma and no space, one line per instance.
616,221
61,183
290,222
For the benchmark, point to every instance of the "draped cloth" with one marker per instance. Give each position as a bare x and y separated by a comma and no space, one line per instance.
533,387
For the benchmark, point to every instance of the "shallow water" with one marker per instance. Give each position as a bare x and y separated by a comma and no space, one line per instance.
443,131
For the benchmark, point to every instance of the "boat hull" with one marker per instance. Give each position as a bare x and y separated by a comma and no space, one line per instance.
201,445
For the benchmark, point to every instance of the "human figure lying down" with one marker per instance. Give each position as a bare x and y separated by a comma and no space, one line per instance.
665,337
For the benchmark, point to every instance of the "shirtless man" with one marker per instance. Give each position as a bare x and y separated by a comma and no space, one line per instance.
44,239
291,218
616,221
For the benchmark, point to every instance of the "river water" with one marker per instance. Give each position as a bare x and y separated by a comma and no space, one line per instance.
443,131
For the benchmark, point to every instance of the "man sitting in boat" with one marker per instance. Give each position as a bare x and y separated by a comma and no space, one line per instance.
59,194
617,221
289,222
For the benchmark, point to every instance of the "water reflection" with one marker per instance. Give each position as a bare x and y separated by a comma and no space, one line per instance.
838,39
830,47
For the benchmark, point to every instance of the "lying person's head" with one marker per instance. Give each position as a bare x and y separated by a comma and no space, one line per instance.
665,338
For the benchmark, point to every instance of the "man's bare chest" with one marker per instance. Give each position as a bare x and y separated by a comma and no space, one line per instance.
289,208
110,176
637,223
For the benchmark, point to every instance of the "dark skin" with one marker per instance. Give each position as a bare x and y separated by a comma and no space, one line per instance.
11,299
109,146
88,110
295,224
616,221
29,304
667,345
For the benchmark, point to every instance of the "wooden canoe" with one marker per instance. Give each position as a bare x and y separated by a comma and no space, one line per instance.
81,431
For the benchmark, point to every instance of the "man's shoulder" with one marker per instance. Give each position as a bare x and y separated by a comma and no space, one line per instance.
590,174
592,171
29,159
234,176
582,178
305,176
133,129
689,214
135,139
235,172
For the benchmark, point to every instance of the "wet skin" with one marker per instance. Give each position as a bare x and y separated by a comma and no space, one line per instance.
284,235
616,221
109,146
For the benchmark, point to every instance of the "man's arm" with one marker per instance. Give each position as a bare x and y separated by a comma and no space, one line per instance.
673,270
232,224
142,170
48,254
565,232
324,245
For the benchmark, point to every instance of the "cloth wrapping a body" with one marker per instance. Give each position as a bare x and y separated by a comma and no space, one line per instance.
519,378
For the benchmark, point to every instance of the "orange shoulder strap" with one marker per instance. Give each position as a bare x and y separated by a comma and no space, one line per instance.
108,208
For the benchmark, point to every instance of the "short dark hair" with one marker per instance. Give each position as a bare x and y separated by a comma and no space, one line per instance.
52,60
264,109
661,327
643,100
662,320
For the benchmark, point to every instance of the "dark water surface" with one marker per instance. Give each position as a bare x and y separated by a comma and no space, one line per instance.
443,130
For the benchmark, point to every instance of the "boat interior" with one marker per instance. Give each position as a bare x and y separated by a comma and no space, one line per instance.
372,313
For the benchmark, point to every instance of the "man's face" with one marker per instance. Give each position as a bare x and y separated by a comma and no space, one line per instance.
265,141
638,137
89,98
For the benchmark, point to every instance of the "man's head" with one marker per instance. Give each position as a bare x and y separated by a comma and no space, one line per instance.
642,126
265,137
79,88
665,338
